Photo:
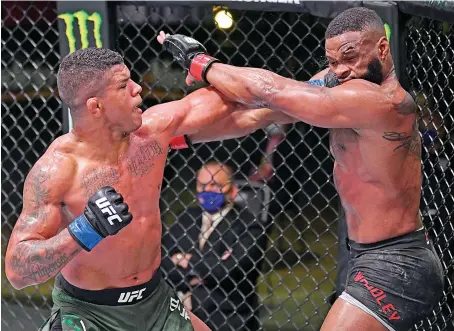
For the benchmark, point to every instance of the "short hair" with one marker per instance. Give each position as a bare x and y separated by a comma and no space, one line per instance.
80,74
354,19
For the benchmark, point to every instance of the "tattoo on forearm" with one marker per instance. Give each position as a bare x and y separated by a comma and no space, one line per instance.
37,261
410,142
94,180
266,87
142,161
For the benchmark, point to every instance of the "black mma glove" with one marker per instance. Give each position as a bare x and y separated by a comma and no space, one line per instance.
104,215
330,79
191,54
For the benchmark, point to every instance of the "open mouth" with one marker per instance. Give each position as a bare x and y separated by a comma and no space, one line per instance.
138,110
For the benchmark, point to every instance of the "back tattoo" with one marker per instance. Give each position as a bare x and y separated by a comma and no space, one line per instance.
412,141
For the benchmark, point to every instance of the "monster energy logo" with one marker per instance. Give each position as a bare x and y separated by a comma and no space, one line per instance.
388,31
82,18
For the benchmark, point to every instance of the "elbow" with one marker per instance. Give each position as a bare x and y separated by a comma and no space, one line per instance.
13,269
16,284
14,279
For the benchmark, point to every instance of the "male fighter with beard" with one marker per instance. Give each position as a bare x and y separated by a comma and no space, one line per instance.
395,277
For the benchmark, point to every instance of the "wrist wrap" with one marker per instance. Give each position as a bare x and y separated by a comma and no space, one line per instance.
83,233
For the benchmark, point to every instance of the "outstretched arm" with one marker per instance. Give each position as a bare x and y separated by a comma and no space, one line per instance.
200,109
244,122
240,123
350,105
36,251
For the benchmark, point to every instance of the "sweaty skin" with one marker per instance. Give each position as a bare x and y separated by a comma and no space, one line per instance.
75,166
245,121
374,137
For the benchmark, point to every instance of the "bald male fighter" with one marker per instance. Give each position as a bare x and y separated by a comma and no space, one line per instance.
395,277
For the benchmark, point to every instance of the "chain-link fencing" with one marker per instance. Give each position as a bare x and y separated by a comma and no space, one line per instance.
430,55
288,280
31,120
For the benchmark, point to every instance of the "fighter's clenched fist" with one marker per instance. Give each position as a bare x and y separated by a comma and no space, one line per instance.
105,214
188,52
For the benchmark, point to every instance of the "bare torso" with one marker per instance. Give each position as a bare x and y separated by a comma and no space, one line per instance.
378,176
134,254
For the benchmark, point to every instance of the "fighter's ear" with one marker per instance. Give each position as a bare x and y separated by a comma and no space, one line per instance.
383,48
94,106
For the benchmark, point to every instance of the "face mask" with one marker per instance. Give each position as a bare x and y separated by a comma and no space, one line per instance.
428,137
211,202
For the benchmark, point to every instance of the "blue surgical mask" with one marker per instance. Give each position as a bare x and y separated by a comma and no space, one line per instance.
211,202
428,137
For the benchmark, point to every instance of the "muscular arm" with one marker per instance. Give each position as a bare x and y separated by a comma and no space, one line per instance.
350,105
240,123
36,252
244,122
199,109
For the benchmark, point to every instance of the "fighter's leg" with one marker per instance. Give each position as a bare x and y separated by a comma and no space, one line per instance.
197,323
344,316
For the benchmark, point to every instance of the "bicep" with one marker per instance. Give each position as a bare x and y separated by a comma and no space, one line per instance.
351,105
41,214
241,123
199,109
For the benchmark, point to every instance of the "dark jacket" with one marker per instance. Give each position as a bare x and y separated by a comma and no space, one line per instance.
227,299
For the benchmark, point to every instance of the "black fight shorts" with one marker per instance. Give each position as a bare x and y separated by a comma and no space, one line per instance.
398,281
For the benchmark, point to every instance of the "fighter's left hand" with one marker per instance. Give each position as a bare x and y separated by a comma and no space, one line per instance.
190,53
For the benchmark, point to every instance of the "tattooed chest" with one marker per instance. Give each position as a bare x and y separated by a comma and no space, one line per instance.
138,162
93,180
143,157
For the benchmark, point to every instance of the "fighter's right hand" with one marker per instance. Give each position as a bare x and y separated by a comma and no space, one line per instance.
188,52
104,215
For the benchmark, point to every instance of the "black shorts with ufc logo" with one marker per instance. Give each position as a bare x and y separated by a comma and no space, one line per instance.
152,306
398,281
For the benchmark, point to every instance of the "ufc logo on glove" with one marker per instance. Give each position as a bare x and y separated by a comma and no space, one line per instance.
106,208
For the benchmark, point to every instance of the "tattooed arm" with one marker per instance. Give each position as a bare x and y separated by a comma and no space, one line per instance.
36,251
245,121
350,105
240,123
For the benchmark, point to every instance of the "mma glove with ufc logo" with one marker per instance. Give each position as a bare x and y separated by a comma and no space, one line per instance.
104,215
191,54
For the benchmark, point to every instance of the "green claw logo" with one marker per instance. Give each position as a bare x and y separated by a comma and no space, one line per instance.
388,31
82,18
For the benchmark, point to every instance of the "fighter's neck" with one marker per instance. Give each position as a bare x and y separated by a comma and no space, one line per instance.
391,75
106,144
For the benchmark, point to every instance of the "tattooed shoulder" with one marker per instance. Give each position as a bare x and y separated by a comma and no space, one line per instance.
407,106
36,186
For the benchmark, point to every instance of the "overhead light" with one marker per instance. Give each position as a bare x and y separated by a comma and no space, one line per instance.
222,17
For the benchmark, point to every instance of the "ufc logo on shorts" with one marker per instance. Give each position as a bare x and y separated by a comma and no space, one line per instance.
129,296
106,208
176,304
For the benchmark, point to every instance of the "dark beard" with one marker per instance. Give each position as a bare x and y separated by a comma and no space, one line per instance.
374,72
